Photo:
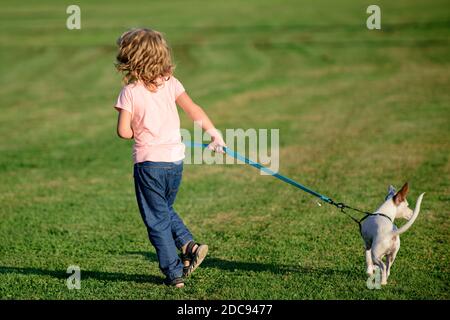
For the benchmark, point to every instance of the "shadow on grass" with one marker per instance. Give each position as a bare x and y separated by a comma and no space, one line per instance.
212,262
85,274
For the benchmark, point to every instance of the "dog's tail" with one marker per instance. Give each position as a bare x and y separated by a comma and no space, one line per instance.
408,225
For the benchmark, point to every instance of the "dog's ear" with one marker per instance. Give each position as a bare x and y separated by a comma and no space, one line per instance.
391,192
401,195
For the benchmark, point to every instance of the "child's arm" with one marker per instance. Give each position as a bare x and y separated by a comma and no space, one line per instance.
196,113
124,125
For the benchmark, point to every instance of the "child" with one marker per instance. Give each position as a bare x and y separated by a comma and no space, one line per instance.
148,114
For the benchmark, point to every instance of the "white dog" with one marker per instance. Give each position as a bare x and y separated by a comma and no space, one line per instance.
381,236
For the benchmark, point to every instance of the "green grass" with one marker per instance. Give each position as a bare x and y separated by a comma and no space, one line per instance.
357,110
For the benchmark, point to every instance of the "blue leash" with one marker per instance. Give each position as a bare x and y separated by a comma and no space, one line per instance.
259,166
265,169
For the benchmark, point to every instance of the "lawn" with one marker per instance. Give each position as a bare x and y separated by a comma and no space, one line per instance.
357,110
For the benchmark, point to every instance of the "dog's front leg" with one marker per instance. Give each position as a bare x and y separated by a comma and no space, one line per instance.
369,262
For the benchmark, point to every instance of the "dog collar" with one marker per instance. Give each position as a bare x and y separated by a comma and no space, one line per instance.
383,215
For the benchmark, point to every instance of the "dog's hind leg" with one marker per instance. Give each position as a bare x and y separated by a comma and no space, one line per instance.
388,265
369,262
377,260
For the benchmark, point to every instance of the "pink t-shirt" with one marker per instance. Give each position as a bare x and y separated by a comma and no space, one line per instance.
154,120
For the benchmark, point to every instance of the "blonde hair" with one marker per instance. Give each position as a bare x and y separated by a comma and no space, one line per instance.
144,55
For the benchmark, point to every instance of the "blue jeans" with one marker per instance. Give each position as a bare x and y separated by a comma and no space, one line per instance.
156,185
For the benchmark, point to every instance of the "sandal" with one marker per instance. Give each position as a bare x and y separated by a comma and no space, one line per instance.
194,258
177,282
